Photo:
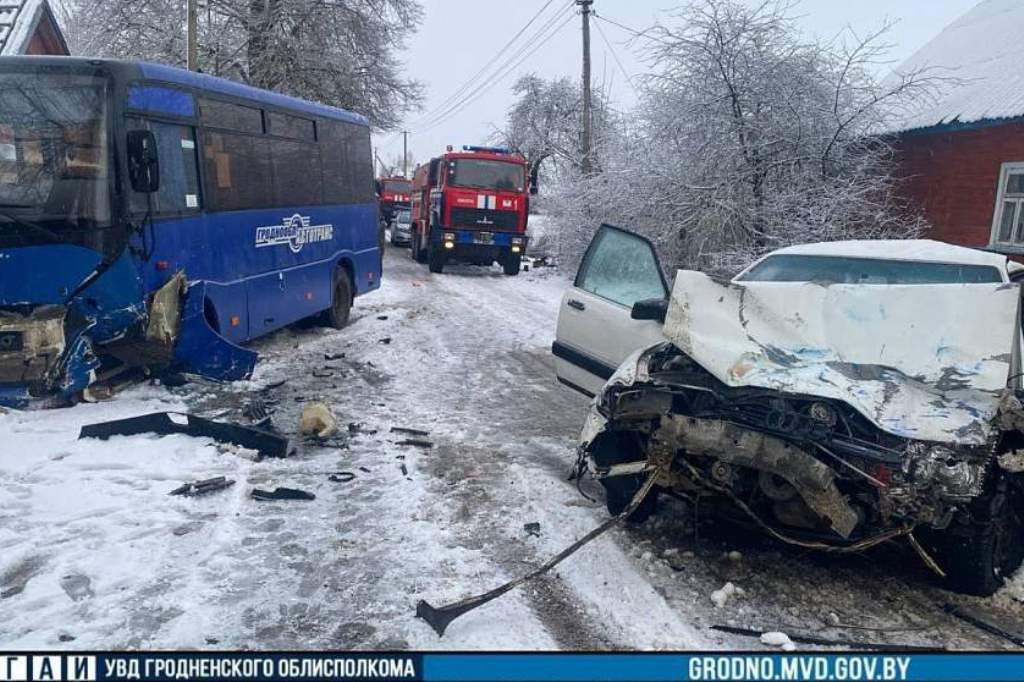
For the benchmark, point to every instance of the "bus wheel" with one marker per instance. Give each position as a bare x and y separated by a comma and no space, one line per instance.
341,304
435,259
511,264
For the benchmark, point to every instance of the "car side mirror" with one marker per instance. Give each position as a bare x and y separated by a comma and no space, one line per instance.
143,161
650,309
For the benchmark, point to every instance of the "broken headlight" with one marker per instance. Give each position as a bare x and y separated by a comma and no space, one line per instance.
953,473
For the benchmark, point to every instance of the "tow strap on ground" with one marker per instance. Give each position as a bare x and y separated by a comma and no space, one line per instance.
440,617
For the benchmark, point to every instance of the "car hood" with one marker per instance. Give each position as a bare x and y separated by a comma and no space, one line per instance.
927,362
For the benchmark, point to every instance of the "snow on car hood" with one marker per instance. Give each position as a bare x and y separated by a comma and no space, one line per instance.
920,361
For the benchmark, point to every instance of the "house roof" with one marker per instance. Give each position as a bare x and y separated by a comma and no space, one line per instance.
980,55
18,22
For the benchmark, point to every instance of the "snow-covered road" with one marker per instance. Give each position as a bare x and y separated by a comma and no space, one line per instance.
95,554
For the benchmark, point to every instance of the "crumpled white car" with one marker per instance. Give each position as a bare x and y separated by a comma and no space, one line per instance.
833,395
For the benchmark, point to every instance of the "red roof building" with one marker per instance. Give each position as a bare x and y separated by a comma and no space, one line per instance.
961,153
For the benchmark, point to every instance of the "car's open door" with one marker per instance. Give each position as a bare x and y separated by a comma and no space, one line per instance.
595,329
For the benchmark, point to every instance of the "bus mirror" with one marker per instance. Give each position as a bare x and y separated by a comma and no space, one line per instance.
143,164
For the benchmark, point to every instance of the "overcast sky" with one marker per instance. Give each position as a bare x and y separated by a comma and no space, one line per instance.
459,37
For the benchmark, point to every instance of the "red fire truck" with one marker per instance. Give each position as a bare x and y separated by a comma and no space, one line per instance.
394,196
471,206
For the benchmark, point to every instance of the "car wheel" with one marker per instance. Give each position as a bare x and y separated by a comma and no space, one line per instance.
341,303
618,447
985,542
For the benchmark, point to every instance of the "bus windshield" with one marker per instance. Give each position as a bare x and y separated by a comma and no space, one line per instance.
484,174
54,161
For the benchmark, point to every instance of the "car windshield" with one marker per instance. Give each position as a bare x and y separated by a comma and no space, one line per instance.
484,174
402,216
54,161
844,270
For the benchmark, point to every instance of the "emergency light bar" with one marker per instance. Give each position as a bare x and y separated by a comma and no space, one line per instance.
492,150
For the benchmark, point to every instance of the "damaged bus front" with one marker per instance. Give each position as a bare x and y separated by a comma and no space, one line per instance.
835,398
122,246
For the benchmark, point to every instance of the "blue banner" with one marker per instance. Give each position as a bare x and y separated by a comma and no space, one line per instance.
518,667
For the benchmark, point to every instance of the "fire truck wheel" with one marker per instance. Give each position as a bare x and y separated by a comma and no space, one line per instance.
341,305
435,259
512,264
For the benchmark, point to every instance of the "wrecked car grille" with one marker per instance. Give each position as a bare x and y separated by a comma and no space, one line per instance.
11,342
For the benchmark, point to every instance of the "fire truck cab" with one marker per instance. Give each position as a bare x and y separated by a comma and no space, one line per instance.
471,206
394,196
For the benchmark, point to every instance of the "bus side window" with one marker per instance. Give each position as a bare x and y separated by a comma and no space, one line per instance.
179,176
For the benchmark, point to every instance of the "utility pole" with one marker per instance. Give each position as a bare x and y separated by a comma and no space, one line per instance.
587,162
405,153
193,41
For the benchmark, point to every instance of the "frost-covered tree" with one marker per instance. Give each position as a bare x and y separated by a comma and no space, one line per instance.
544,123
340,52
748,138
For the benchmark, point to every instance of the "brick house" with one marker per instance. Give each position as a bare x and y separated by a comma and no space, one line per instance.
30,27
961,155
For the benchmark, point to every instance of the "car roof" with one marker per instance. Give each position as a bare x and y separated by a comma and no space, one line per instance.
923,250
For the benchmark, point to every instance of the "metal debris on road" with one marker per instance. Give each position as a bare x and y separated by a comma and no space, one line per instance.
440,617
266,443
405,470
282,494
967,617
334,356
821,641
382,317
341,477
426,444
408,431
532,529
386,340
204,487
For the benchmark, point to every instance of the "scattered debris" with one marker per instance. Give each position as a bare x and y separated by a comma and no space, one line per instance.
204,487
256,411
408,431
440,617
64,637
820,641
186,528
326,374
341,477
386,340
212,640
282,494
382,317
405,470
318,421
273,385
334,356
958,612
532,529
365,470
426,444
173,380
267,443
721,597
359,427
779,639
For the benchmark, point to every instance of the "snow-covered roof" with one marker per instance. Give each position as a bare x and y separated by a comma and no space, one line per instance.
18,21
980,54
926,250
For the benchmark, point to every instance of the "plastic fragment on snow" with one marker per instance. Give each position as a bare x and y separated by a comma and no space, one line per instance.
779,639
281,494
318,421
721,596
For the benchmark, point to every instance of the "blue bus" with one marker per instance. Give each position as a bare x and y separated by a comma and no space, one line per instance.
152,217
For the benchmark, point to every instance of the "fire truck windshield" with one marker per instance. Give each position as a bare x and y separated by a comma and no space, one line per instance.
397,186
483,174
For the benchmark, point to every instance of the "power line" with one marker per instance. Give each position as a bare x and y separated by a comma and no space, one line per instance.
638,34
615,56
503,72
465,86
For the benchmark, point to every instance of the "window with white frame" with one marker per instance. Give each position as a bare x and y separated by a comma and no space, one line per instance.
1008,220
